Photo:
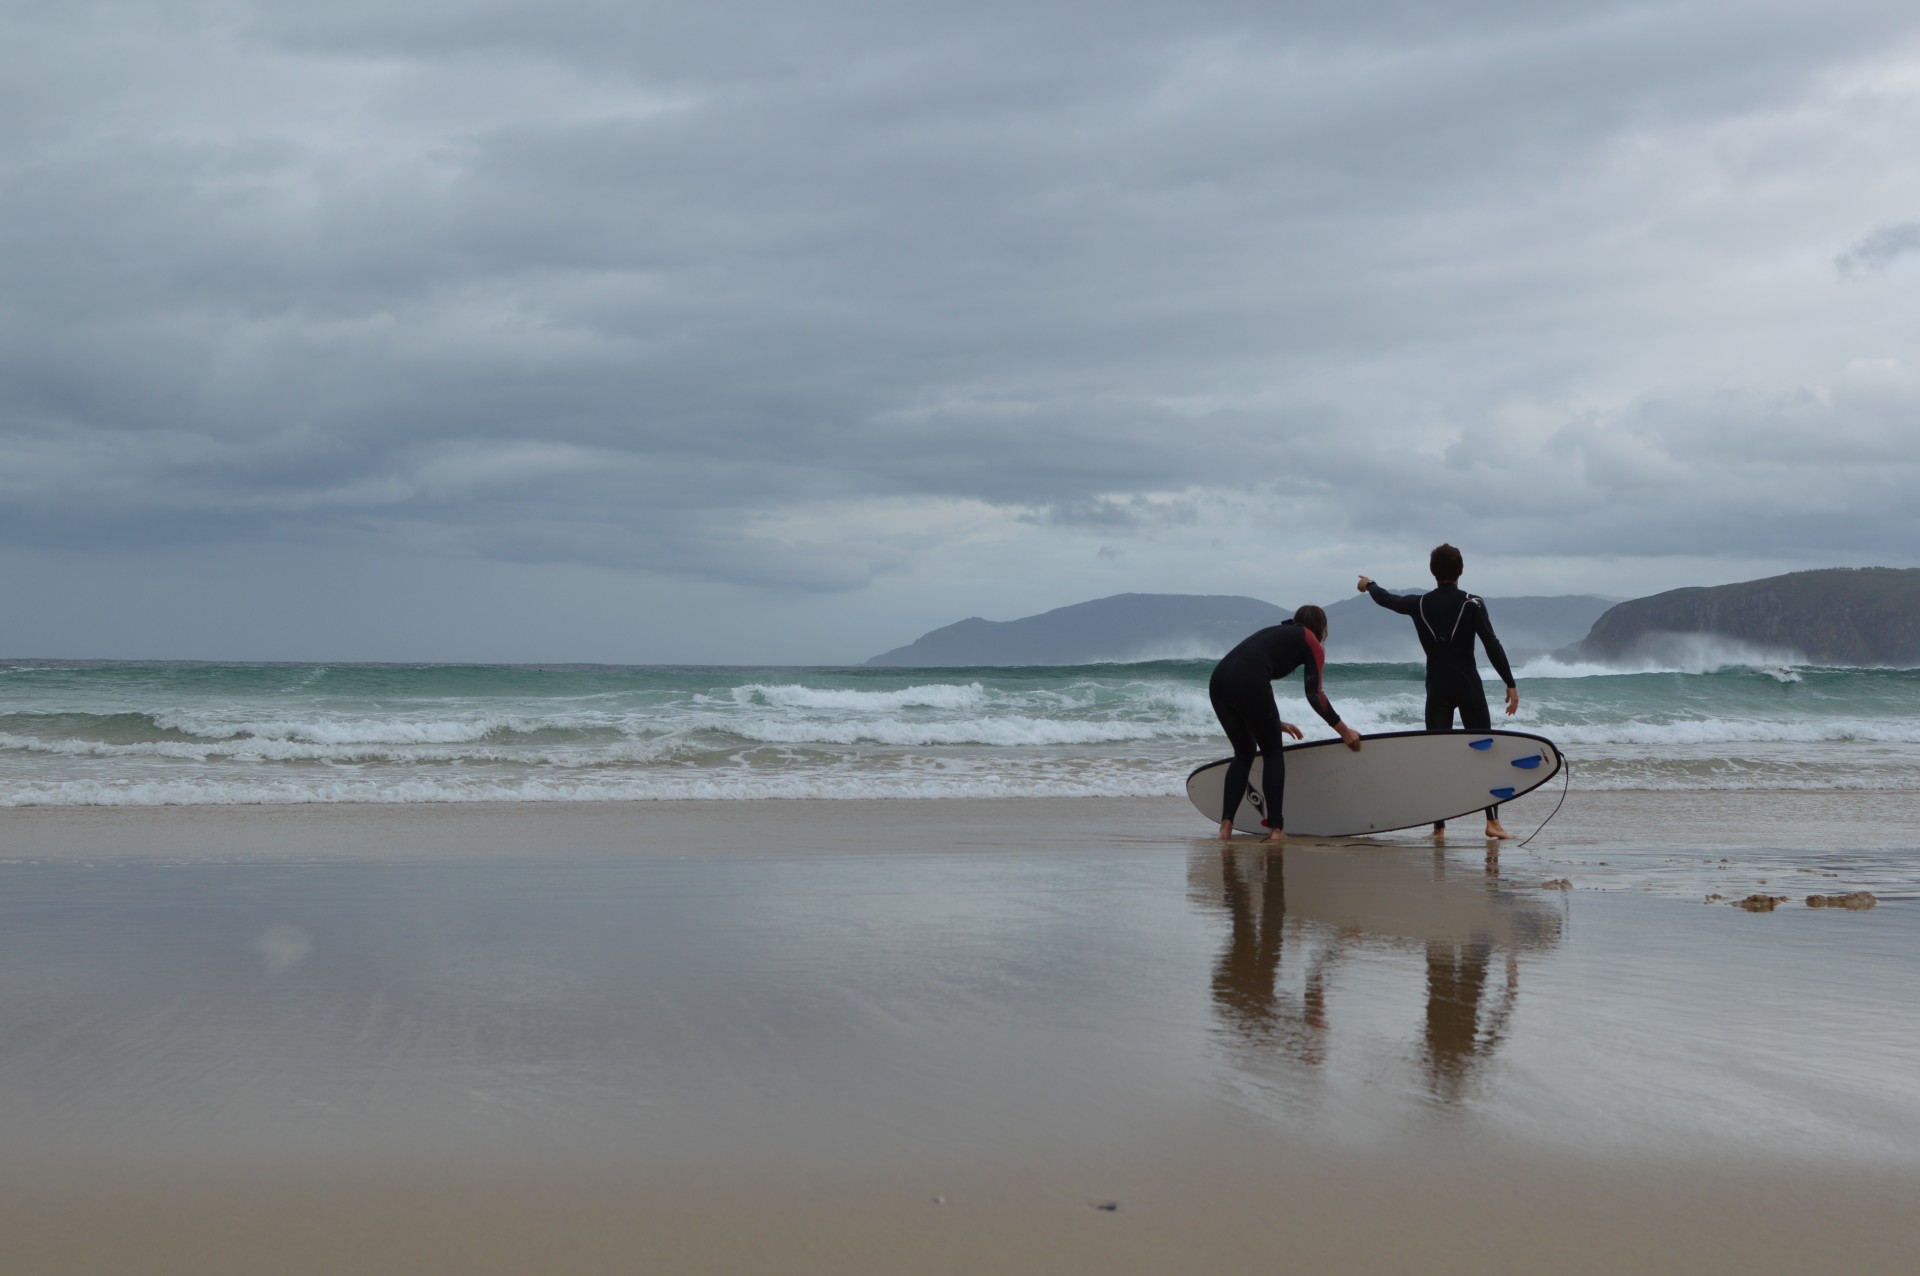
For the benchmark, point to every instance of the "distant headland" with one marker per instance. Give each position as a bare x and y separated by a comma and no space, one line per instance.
1833,616
1841,616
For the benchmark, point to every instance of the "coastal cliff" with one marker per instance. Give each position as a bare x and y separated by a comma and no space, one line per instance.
1835,616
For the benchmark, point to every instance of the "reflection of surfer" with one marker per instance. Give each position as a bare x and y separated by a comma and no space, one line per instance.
1472,933
1241,689
1245,975
1455,1038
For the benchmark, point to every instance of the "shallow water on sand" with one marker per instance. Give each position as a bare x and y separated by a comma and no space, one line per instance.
811,1008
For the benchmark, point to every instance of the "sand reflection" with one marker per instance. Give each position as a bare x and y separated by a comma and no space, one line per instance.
1299,918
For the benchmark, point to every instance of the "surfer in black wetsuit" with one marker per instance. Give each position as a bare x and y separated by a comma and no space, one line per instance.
1242,693
1448,619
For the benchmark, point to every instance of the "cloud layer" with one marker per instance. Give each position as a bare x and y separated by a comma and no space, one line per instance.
849,296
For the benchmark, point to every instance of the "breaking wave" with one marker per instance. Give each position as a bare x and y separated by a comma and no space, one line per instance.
139,734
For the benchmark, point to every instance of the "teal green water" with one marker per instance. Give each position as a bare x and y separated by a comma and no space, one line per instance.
92,732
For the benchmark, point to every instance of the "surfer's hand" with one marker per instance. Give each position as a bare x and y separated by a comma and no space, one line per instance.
1362,586
1513,701
1350,736
1293,731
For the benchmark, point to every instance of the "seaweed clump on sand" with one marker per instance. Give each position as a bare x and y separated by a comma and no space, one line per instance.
1760,903
1852,899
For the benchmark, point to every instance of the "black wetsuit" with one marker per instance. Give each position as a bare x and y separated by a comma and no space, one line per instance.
1448,619
1242,693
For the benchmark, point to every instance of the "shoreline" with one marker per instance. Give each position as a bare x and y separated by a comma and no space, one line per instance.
1587,821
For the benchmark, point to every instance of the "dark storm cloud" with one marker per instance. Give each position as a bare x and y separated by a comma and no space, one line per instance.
644,284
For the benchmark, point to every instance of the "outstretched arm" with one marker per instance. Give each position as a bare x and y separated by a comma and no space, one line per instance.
1402,603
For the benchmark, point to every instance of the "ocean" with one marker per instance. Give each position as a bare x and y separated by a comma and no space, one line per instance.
124,733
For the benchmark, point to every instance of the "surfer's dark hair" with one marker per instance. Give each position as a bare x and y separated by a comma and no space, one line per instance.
1445,563
1314,618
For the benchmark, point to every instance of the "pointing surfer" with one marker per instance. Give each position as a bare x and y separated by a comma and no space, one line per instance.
1448,619
1242,693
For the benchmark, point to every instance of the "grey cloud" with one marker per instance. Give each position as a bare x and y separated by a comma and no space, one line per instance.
1109,514
1069,260
1879,248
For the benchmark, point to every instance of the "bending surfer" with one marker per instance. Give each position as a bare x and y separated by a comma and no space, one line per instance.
1447,620
1242,693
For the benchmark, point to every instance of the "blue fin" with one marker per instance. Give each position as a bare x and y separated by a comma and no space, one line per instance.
1527,764
1505,795
1479,744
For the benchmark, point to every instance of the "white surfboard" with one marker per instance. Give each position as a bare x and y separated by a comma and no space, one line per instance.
1399,779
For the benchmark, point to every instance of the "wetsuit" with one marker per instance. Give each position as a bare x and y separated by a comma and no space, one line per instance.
1448,619
1242,693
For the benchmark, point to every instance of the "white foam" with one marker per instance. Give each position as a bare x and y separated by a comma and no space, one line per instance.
1699,731
1009,731
218,726
948,696
1665,653
251,749
657,786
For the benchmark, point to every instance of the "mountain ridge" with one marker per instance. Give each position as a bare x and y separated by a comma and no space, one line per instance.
1123,628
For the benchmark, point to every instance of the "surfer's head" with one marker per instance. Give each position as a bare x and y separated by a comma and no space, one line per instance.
1312,618
1445,564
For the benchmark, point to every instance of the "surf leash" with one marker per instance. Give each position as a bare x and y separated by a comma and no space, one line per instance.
1566,765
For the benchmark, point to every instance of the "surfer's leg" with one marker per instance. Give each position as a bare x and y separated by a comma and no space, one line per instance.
1439,717
1475,716
1227,708
1265,723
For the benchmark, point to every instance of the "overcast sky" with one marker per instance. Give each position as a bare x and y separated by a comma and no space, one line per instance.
786,330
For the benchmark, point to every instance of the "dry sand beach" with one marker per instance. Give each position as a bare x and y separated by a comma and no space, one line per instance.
953,1036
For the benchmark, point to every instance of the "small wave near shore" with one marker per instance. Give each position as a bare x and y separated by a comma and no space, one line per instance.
93,733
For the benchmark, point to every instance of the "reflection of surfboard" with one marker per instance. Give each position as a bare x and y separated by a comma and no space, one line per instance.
1398,779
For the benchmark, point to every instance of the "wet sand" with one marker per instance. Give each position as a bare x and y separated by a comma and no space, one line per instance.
940,1036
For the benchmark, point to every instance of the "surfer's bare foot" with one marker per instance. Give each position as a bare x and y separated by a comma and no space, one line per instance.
1278,835
1496,833
1226,830
1438,835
